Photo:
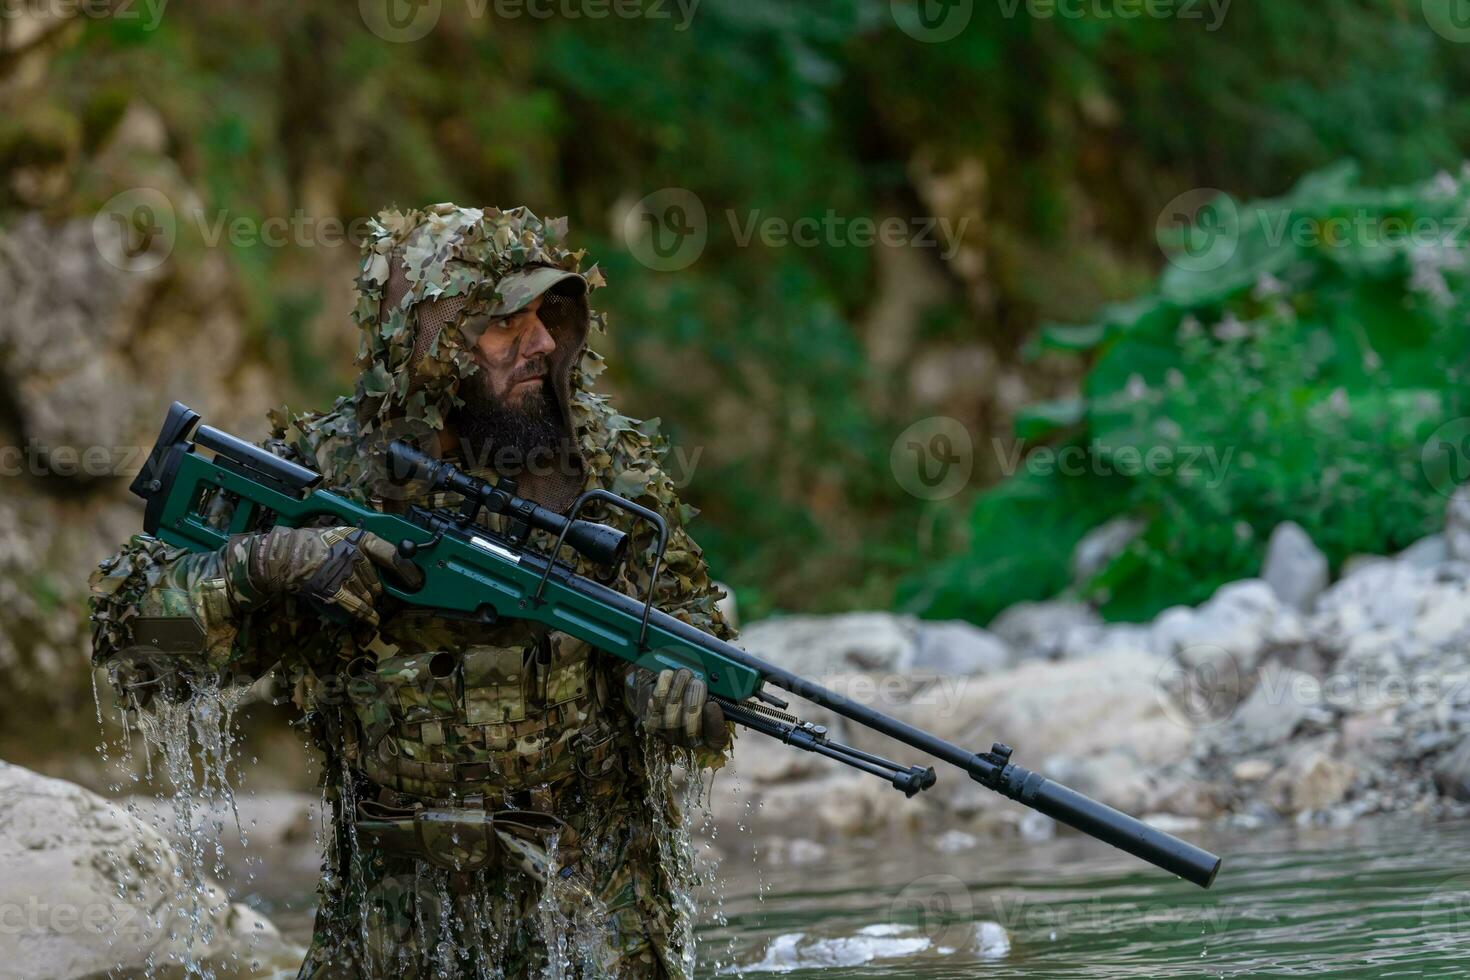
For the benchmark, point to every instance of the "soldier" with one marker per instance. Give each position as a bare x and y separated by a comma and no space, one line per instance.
499,795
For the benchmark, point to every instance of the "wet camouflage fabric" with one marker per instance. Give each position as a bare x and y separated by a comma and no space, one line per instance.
429,714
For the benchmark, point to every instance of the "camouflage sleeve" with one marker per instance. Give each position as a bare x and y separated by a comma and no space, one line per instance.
154,599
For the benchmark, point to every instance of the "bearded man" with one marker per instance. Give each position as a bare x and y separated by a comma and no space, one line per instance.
475,325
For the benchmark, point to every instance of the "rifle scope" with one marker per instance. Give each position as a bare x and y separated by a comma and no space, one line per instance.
597,542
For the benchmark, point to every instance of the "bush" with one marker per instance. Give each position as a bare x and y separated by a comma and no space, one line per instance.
1294,363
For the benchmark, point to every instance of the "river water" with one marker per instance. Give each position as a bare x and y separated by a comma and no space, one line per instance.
1378,899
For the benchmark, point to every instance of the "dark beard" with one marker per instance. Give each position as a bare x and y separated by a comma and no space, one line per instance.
504,437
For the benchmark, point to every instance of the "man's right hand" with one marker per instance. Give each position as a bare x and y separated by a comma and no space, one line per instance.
336,568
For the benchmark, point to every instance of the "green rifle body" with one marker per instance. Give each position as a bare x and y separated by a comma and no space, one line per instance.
472,572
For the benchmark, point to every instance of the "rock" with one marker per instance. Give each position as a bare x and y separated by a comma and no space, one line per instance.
71,854
1037,630
1251,770
1282,701
816,646
1356,563
1102,715
1457,525
1240,618
1315,781
1171,823
958,649
1101,545
1295,569
1426,552
1381,594
878,643
794,851
1452,773
1100,640
955,842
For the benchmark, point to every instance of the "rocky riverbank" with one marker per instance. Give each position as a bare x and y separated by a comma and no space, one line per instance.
1288,697
91,889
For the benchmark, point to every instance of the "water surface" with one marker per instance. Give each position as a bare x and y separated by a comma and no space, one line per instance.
1379,899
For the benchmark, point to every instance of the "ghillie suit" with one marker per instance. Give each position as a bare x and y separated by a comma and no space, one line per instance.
429,724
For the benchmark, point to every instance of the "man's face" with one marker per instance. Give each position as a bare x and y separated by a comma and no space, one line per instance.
514,356
509,405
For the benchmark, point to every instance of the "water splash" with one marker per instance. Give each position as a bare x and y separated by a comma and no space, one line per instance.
193,739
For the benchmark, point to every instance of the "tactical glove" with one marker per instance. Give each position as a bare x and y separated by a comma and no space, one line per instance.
335,568
676,706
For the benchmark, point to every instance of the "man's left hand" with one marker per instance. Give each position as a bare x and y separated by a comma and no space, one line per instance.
676,706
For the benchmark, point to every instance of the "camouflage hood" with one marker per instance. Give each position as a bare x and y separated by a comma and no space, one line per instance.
424,274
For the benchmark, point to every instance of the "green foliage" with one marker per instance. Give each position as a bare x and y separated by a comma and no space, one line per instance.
1299,381
1073,131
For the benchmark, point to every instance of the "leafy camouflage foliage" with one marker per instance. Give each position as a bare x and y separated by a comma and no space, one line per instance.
1307,378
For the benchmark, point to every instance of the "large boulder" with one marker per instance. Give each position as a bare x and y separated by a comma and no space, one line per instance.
1295,568
1243,619
878,659
1042,630
880,643
90,890
1102,720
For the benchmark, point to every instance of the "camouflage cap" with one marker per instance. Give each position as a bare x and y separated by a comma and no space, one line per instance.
517,289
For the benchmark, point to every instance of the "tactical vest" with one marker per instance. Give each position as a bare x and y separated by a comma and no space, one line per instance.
445,710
